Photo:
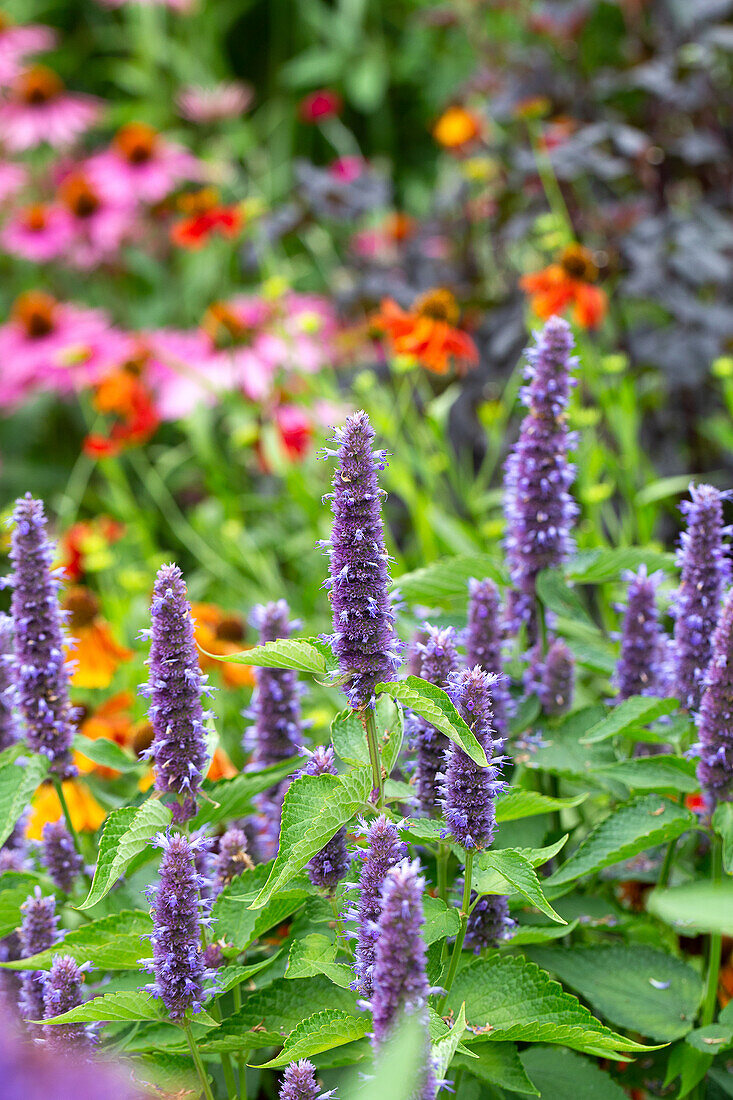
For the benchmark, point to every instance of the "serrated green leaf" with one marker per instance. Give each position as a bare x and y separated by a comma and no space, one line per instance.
230,976
517,803
723,825
632,985
319,1032
316,954
538,856
349,740
106,753
116,942
301,654
167,1073
444,1050
510,999
237,923
18,783
505,872
126,833
660,773
640,824
712,1039
562,1073
230,798
526,934
498,1065
695,907
639,710
314,809
561,752
123,1007
440,920
447,579
556,595
434,704
605,563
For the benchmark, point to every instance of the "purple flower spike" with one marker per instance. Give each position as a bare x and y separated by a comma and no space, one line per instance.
59,856
41,670
175,688
641,668
399,975
178,915
62,992
30,1071
483,645
539,508
469,791
558,675
703,559
439,657
384,851
715,719
278,730
232,857
9,725
299,1083
328,867
489,923
364,638
38,932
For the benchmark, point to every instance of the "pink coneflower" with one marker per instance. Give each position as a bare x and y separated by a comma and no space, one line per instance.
50,345
99,226
182,372
39,232
18,42
39,110
141,165
13,178
206,105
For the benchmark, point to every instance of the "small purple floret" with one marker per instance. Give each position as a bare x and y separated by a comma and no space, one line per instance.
299,1083
38,932
484,637
327,868
231,859
9,724
715,718
59,856
62,991
642,664
489,923
439,657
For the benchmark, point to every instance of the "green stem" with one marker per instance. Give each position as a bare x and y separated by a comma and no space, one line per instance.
197,1061
666,869
711,982
458,945
241,1069
58,787
226,1061
370,726
442,865
340,937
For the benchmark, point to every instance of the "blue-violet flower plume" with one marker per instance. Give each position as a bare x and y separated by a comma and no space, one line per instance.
642,663
715,718
484,636
38,932
299,1083
9,724
555,690
439,657
61,993
489,923
327,867
59,855
384,850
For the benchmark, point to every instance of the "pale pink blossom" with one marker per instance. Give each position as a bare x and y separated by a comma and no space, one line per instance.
182,372
40,232
39,109
142,165
99,225
230,99
13,178
18,41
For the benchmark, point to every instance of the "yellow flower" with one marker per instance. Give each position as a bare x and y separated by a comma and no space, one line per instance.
86,813
456,128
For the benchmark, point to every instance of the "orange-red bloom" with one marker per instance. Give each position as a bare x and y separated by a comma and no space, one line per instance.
205,217
86,813
124,395
97,654
221,633
113,722
456,128
568,283
85,540
427,332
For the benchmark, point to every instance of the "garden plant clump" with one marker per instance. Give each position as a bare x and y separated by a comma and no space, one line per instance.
366,635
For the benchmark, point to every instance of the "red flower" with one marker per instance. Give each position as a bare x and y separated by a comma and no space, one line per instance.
319,105
568,283
427,332
196,231
124,395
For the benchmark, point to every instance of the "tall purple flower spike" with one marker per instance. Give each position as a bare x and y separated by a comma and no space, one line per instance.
231,859
38,932
540,511
299,1083
62,992
703,559
439,658
384,850
642,663
484,636
327,868
364,638
278,730
175,688
715,718
179,913
399,975
9,724
41,669
555,689
469,791
30,1071
59,856
489,923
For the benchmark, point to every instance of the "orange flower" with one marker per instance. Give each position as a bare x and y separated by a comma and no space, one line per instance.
123,394
97,654
205,217
87,539
221,766
112,721
568,283
221,633
86,813
427,331
457,128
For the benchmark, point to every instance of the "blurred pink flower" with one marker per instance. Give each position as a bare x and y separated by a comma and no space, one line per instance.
40,232
47,345
99,225
320,105
347,169
206,105
182,372
141,165
38,110
17,42
13,177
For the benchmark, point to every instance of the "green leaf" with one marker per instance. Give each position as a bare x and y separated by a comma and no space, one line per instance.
562,1073
663,772
349,737
315,808
632,828
516,803
444,1050
689,1064
301,654
540,933
230,976
15,886
510,999
18,783
106,753
538,856
229,798
316,954
561,752
237,923
167,1073
112,943
639,710
441,920
695,907
711,1039
319,1032
126,833
527,712
555,593
603,564
505,872
434,704
723,825
498,1064
634,986
400,1065
447,579
123,1007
